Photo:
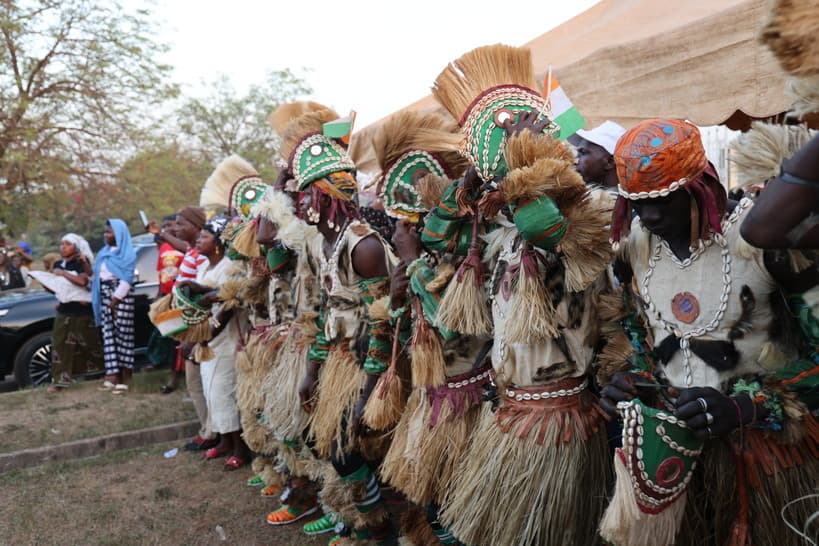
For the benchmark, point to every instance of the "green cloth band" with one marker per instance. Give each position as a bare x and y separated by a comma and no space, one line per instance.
540,222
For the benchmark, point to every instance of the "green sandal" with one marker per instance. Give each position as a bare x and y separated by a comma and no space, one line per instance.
255,481
324,524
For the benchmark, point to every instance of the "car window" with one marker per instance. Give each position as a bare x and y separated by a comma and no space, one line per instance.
146,264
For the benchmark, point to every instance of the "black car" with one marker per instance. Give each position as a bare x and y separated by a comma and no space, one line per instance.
27,318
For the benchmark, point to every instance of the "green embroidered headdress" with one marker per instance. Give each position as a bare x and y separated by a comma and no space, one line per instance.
235,185
310,153
414,167
485,89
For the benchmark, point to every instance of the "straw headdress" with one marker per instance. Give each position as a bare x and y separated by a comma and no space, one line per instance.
758,154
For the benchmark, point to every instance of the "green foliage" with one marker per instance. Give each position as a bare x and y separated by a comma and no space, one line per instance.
226,123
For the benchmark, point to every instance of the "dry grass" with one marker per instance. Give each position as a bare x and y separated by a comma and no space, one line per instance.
138,497
35,418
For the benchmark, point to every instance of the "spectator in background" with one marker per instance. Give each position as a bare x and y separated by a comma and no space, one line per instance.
10,276
595,159
112,296
75,339
163,350
189,221
21,259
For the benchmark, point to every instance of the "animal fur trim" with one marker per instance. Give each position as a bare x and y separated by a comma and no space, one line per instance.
284,114
540,165
415,528
804,92
792,33
758,153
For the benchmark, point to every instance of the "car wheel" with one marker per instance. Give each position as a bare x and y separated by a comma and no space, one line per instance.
32,363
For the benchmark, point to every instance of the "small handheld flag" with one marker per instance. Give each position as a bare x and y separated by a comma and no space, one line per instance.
563,112
340,128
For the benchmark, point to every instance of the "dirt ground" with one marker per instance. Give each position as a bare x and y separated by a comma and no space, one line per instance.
139,497
35,418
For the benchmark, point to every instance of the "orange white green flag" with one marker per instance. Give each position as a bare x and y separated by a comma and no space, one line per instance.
562,111
340,128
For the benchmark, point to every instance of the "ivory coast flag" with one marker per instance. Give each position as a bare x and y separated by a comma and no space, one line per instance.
564,113
340,128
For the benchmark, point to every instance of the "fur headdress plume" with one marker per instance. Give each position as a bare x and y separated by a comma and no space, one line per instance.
758,153
284,114
293,121
480,69
415,171
792,33
217,190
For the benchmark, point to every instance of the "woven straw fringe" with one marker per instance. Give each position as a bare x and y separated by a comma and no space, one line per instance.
245,242
624,524
340,382
511,490
283,412
159,306
196,333
792,33
531,316
252,365
386,403
203,353
428,361
464,306
229,293
480,69
713,505
585,246
421,461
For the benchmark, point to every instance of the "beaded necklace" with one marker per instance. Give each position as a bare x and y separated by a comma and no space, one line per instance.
685,337
329,266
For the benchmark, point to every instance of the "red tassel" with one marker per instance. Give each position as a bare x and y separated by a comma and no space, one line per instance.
740,530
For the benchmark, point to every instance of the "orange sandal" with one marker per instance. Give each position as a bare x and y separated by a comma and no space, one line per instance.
289,513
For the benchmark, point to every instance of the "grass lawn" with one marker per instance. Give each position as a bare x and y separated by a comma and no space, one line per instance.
139,497
35,418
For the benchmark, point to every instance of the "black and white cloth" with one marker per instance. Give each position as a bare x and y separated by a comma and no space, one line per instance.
117,329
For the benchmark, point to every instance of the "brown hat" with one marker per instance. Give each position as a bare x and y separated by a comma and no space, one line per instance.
194,215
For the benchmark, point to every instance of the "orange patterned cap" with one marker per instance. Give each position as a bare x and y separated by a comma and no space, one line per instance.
658,156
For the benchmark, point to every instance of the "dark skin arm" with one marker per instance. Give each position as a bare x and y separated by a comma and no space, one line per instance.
783,205
369,261
175,242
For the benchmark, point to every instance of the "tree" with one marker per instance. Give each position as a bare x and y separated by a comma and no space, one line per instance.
77,81
226,123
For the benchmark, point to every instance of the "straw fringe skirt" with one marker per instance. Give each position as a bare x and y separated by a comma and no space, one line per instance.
340,383
536,473
432,437
772,475
253,363
283,412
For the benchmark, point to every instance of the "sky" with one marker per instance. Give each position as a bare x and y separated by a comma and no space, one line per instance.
372,57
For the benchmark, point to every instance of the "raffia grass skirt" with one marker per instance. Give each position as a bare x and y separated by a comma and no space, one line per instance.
535,475
772,475
340,383
432,437
253,364
283,412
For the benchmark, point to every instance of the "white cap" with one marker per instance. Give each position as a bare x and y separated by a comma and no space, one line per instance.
606,135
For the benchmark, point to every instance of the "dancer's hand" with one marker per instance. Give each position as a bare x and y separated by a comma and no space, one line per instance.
527,121
407,241
708,412
620,388
399,283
